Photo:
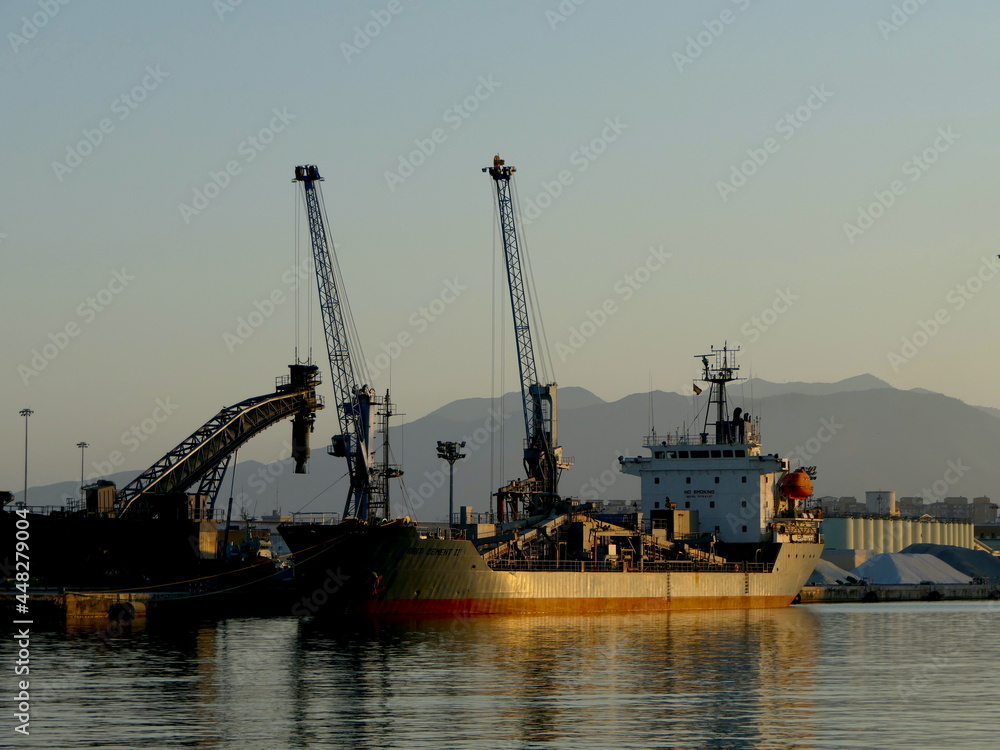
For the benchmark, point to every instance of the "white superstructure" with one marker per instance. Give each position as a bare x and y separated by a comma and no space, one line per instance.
720,475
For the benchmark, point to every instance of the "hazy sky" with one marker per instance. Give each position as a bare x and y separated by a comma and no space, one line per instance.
815,181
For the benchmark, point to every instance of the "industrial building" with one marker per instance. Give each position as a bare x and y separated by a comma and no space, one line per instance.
855,531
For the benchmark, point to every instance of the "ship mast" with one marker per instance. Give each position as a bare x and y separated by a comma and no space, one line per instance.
384,471
719,369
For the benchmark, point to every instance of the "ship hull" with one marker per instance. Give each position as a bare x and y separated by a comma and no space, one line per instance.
392,571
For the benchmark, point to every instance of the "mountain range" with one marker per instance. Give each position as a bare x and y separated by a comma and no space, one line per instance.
861,434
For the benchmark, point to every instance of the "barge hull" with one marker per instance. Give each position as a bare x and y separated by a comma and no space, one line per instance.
390,570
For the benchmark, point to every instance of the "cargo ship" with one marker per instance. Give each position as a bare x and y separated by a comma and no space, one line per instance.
719,525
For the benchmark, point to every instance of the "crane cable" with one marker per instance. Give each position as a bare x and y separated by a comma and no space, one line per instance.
296,251
544,363
355,353
497,457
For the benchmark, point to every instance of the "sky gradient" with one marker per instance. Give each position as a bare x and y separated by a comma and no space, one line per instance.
810,180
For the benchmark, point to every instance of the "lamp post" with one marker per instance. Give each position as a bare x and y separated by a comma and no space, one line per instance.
448,451
26,413
83,450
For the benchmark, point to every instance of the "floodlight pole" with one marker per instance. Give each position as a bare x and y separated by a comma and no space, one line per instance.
449,451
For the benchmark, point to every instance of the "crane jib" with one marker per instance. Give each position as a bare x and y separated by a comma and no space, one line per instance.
541,454
364,499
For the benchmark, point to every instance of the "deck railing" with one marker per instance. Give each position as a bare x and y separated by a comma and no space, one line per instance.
323,519
580,566
193,514
751,436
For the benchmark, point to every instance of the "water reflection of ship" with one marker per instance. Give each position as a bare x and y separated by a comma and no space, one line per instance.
682,675
741,678
684,665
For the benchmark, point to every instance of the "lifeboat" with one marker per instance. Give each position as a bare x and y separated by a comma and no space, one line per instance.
797,485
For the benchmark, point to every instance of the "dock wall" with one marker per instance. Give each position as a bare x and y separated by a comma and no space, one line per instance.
897,593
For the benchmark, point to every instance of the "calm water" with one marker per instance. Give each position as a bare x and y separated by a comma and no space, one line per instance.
861,676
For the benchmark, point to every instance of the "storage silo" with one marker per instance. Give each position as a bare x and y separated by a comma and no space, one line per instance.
881,502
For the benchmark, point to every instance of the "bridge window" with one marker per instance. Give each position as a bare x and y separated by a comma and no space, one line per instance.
682,454
741,454
716,454
727,454
699,454
659,454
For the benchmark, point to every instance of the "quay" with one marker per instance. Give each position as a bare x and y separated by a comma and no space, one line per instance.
932,592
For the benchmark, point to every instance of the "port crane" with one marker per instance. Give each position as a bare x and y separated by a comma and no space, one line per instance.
543,459
367,497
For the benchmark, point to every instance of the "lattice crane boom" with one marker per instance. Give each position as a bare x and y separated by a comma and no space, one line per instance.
354,402
542,457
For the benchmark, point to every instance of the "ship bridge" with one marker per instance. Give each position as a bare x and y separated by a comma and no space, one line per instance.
747,441
718,477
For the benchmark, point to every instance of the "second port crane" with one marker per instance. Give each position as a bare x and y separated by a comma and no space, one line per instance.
367,497
543,459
